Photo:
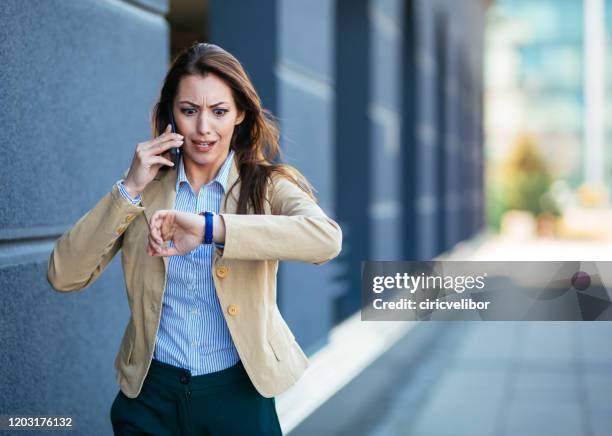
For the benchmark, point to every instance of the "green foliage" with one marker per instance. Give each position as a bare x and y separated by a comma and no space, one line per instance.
520,183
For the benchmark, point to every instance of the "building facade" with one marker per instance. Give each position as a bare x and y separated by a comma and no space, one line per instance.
379,104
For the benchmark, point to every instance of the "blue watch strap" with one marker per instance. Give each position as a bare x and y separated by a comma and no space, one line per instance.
208,227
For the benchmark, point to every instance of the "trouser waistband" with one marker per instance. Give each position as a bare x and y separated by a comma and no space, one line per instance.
179,378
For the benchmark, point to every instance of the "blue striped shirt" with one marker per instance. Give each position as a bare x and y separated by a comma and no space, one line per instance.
192,332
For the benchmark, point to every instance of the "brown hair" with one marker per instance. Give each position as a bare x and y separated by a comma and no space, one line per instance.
255,140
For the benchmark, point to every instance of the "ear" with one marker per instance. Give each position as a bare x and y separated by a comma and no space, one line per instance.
239,118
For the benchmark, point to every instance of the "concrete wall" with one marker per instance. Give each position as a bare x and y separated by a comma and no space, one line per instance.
77,83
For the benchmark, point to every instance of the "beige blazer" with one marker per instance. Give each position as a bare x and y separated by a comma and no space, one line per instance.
293,228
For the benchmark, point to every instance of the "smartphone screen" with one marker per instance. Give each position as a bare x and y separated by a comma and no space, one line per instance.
174,151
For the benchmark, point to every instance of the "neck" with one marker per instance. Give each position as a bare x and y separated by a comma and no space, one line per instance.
199,175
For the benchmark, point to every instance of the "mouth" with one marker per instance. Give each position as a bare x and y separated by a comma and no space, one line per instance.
204,146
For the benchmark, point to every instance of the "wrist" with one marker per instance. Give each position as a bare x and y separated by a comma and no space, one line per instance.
218,229
134,192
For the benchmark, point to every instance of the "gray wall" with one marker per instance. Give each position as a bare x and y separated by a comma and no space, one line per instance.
77,83
446,57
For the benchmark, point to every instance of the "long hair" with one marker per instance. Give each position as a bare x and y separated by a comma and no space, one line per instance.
255,140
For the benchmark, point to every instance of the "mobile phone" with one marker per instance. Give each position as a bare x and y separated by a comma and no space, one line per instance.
174,151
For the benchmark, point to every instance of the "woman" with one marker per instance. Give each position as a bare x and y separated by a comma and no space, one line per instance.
206,349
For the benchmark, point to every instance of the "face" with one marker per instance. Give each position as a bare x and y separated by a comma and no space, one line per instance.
206,115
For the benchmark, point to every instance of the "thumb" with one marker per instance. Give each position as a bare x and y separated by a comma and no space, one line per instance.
169,251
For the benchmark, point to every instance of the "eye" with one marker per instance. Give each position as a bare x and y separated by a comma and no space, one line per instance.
188,111
220,112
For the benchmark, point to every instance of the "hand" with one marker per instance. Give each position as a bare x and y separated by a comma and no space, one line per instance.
184,229
148,160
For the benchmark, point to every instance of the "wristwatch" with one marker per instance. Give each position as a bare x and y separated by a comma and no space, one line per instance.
208,227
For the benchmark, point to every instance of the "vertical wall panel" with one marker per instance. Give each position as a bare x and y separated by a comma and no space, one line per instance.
384,115
293,75
352,140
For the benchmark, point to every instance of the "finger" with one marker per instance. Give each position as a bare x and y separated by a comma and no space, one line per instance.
155,245
153,144
151,247
167,229
155,232
165,252
150,251
161,222
158,215
153,227
159,240
160,147
168,134
155,160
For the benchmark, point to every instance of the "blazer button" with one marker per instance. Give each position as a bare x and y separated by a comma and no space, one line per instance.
222,271
233,310
129,219
121,229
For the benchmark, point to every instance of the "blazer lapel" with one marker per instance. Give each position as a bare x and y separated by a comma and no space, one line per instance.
232,198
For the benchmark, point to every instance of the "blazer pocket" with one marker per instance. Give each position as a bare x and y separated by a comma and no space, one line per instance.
277,345
127,348
130,353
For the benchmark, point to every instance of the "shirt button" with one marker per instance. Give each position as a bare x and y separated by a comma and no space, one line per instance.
222,271
233,310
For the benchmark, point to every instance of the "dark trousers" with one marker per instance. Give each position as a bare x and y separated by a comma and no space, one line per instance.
172,402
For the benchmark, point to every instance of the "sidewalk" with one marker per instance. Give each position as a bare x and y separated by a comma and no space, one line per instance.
507,379
485,378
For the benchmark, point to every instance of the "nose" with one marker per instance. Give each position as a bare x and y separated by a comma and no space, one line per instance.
204,125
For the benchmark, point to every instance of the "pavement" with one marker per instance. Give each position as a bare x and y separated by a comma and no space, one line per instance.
484,378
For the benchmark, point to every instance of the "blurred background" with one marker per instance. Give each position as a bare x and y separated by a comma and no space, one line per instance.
458,129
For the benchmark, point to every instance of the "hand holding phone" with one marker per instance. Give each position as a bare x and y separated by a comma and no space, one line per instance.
148,159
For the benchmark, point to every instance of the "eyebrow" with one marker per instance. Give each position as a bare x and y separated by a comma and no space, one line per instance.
212,105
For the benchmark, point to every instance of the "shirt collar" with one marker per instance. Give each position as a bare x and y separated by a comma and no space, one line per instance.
220,178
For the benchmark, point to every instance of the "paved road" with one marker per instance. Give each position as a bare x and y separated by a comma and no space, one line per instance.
481,378
485,378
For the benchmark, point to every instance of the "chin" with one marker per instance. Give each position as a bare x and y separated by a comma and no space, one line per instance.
207,158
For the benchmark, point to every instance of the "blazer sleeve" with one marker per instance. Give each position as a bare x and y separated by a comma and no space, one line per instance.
84,251
298,229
